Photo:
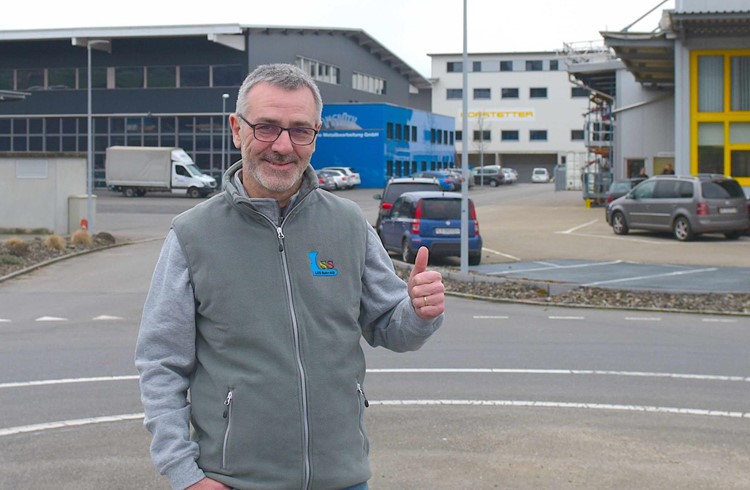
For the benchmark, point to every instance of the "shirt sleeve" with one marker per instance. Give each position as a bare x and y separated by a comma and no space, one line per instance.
165,357
387,315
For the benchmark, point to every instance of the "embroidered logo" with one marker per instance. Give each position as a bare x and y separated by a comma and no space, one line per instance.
321,267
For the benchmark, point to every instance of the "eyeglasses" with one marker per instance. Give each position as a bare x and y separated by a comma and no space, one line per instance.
269,133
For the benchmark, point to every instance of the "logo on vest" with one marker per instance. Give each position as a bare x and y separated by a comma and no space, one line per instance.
321,267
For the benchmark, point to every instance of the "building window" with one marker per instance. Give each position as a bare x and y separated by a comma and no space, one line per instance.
482,93
454,93
454,67
554,65
740,96
389,131
320,71
576,134
368,83
711,84
414,133
506,66
509,135
485,66
129,77
509,93
534,65
98,77
161,77
483,135
538,93
6,80
227,76
538,135
578,92
459,135
61,78
194,76
30,79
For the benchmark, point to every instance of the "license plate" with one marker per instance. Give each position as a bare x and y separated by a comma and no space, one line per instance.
727,210
447,231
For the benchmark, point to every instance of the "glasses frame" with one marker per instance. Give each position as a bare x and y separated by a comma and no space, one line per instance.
282,129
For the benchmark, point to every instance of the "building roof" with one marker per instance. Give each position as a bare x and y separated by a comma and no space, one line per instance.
222,33
648,56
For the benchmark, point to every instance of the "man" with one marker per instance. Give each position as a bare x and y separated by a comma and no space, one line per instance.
250,363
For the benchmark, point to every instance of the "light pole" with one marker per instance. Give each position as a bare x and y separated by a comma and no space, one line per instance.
224,98
465,156
104,45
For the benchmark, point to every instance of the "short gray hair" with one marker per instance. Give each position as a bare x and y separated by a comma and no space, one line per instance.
282,75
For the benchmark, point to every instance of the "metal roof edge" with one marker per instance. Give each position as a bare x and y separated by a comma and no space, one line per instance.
119,31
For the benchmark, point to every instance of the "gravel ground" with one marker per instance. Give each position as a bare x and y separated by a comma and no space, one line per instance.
476,286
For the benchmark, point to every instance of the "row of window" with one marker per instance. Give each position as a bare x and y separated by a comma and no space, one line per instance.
112,77
405,132
200,136
504,65
404,168
515,135
510,93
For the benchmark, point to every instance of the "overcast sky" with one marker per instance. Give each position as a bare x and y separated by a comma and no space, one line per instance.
411,29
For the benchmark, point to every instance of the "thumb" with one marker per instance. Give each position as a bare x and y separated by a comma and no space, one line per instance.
420,262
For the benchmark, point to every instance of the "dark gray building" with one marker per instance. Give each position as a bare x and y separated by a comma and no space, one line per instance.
164,85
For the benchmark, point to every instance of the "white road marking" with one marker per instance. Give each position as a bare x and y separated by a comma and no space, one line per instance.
576,228
555,267
594,406
490,317
108,317
666,274
589,372
45,382
68,423
501,254
566,317
626,238
642,319
4,320
719,320
51,319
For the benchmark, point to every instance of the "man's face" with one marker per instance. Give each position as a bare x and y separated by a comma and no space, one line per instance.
274,170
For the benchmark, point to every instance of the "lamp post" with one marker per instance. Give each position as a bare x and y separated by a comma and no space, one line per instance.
224,98
103,45
465,157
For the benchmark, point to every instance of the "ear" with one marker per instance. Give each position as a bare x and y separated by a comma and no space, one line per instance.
234,123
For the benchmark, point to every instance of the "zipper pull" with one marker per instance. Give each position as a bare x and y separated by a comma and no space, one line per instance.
364,397
227,403
280,235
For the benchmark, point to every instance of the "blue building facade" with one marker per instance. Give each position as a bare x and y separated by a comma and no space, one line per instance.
381,141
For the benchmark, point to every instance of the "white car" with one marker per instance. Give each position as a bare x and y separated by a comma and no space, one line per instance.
352,176
340,179
511,175
540,175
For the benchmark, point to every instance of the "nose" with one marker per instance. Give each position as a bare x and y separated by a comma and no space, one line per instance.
284,142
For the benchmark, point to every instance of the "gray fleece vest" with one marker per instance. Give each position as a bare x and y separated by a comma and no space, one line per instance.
276,392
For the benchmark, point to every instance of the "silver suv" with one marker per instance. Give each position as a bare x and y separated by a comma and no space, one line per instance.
684,205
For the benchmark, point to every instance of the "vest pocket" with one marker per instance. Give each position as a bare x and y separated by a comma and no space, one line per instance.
228,427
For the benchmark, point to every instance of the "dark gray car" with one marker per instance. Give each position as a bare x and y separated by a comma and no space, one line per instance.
684,205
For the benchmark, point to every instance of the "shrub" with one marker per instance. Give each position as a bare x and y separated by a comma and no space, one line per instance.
104,238
17,246
7,259
81,238
55,242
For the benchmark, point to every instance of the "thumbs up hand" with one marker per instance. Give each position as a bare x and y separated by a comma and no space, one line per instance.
426,288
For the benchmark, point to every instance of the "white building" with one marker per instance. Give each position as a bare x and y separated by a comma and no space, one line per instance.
523,110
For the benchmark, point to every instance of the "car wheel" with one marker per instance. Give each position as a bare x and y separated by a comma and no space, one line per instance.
193,193
475,259
619,225
682,230
129,192
407,254
493,183
733,235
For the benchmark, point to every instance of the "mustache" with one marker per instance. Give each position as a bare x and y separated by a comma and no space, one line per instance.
279,158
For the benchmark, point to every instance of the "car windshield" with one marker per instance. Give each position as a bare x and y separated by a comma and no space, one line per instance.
441,209
722,189
395,190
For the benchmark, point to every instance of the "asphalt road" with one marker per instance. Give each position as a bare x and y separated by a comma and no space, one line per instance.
504,396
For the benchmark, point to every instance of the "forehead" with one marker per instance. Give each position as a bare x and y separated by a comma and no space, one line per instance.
273,103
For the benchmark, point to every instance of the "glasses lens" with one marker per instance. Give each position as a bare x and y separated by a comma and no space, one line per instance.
302,136
267,132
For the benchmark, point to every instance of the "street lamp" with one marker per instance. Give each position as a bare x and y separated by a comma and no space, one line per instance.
102,45
224,98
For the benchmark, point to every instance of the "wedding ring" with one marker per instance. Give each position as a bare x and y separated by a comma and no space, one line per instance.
425,300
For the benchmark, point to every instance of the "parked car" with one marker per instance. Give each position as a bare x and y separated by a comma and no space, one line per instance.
326,180
539,175
686,206
458,174
447,180
491,175
433,220
340,179
510,174
619,188
352,176
397,186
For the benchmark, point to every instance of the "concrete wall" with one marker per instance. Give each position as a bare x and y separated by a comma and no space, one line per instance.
35,187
